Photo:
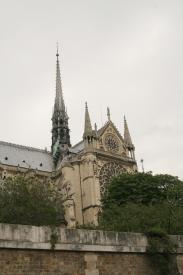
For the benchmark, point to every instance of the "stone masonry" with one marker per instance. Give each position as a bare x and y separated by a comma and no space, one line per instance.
26,250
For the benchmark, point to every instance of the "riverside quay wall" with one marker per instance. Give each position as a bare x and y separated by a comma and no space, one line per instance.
32,250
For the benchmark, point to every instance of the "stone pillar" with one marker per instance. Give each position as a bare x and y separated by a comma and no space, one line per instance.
90,190
91,264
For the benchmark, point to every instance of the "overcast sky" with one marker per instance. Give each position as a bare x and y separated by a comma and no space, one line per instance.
125,54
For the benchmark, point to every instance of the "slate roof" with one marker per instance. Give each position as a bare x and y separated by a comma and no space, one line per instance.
77,147
25,157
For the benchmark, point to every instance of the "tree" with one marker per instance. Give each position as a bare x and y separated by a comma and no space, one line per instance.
29,200
144,188
148,204
140,202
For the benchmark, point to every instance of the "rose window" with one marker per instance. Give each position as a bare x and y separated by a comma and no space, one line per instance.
107,172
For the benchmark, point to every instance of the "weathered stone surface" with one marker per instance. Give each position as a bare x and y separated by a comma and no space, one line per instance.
25,250
37,262
33,237
91,264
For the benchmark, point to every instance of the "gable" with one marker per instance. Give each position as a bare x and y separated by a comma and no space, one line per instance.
110,127
111,140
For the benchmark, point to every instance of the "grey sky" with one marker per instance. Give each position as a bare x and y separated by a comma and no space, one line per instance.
127,55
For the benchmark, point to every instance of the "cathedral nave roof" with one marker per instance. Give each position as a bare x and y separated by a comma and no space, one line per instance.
25,157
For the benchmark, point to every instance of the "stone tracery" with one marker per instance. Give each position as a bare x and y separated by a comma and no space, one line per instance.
107,172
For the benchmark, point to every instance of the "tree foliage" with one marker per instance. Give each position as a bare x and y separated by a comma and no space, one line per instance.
140,202
161,250
29,200
148,204
144,188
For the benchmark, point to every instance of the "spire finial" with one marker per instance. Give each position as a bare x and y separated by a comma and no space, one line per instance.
57,55
108,113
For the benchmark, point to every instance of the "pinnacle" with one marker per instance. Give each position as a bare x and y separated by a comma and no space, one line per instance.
87,127
127,137
108,114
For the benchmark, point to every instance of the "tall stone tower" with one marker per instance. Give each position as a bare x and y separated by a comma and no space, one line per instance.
60,128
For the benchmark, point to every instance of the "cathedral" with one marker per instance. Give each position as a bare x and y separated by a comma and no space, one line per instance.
81,171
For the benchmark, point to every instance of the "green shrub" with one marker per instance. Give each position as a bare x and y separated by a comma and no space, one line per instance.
161,251
29,200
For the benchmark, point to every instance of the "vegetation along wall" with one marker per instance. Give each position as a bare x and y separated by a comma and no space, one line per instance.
31,250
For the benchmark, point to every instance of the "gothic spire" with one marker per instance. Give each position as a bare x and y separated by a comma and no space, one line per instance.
60,128
127,137
87,128
59,100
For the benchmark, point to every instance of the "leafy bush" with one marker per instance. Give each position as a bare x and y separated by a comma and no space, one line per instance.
138,202
143,188
29,200
133,217
161,251
148,204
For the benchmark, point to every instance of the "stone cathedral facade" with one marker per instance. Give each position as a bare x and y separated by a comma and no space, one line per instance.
81,171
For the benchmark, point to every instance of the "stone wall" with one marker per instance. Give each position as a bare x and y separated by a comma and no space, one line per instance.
26,250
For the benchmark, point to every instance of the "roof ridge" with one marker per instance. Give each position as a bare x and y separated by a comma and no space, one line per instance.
102,129
24,147
117,129
79,142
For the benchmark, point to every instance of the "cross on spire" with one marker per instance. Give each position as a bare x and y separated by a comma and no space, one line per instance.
57,55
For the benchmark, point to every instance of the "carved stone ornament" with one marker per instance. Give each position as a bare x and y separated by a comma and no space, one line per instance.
107,172
111,143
